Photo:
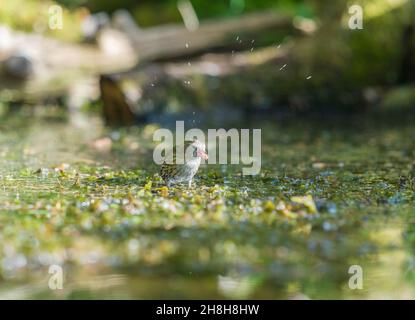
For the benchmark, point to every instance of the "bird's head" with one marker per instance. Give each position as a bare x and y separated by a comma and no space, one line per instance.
197,149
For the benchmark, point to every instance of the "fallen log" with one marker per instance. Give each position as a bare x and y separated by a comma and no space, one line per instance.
57,66
174,43
167,42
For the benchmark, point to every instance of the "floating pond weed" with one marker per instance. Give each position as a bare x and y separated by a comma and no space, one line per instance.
111,212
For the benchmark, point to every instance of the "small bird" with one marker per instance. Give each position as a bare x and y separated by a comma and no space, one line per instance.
184,171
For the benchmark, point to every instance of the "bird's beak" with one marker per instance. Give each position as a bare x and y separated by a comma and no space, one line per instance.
202,154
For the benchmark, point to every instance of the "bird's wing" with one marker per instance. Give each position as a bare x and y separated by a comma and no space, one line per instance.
178,157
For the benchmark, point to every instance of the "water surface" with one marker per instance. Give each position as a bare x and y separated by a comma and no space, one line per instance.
86,198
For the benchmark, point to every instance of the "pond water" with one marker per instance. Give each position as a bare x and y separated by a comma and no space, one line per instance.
87,199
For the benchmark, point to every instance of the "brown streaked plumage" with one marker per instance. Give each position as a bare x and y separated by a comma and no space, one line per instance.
185,171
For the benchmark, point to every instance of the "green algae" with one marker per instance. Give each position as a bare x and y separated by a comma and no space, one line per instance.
329,196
